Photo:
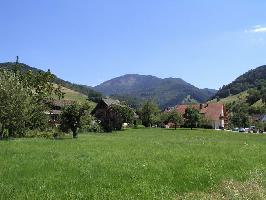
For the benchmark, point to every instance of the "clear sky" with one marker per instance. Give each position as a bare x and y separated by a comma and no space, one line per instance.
205,42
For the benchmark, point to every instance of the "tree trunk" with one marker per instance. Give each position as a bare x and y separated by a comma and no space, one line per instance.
1,132
175,126
75,134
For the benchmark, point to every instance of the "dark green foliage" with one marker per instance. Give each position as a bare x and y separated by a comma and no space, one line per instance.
253,96
148,113
23,97
239,116
166,92
251,79
114,116
258,93
191,117
94,96
74,117
172,117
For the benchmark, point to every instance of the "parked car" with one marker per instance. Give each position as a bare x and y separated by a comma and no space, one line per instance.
242,130
235,129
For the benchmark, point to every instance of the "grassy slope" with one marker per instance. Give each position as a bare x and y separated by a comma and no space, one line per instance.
232,98
240,96
75,96
133,164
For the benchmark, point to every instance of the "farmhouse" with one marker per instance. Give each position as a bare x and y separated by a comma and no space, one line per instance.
56,107
213,112
104,104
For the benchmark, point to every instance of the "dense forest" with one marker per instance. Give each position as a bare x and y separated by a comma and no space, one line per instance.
250,79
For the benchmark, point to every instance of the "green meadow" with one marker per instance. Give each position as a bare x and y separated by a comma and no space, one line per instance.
136,164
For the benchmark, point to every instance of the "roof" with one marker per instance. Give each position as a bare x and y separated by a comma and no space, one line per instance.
182,108
62,103
212,111
263,118
109,101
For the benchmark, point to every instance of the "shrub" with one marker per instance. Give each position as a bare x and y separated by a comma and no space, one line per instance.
39,134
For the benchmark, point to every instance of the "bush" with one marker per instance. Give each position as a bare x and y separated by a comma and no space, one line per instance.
39,134
53,133
93,127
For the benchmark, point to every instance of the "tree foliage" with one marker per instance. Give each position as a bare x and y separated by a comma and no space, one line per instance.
74,117
23,98
192,117
148,112
114,116
172,117
239,116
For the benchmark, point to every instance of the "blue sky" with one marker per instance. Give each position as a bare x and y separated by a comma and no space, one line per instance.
207,43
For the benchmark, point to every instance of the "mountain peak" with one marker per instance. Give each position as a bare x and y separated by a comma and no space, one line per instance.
166,91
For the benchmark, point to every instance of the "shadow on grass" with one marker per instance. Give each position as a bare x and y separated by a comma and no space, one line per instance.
180,129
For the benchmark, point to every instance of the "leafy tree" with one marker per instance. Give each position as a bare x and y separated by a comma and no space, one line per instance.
73,117
15,104
148,110
191,117
239,116
114,117
23,98
173,117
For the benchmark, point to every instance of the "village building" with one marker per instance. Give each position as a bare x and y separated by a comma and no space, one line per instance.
214,113
56,107
104,104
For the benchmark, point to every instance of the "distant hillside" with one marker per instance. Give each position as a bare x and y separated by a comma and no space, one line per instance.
241,96
244,82
72,91
75,91
167,92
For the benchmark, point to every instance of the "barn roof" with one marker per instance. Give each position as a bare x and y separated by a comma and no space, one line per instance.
62,103
109,101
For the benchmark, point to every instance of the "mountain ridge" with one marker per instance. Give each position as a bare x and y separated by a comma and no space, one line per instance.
248,80
166,91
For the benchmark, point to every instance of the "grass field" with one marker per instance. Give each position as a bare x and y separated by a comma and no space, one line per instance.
136,164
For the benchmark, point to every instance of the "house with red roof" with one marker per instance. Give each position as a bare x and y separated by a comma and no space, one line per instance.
214,113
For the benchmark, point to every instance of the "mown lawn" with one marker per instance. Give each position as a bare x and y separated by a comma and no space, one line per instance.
134,164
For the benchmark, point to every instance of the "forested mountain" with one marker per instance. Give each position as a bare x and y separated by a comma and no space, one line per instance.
244,82
167,92
83,89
